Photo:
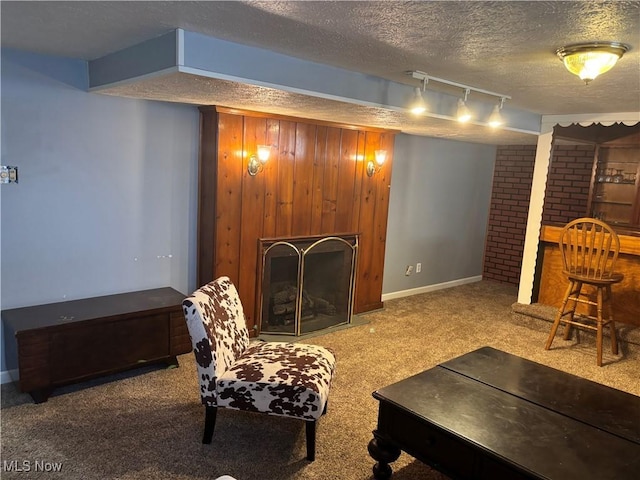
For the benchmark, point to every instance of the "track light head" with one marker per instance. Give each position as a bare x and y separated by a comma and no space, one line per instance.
418,105
495,119
463,114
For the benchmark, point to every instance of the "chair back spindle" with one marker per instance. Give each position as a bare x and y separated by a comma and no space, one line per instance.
589,248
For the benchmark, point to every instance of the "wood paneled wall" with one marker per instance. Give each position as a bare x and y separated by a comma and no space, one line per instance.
315,183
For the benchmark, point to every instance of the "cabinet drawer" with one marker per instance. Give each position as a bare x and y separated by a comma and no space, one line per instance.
33,360
93,348
180,339
144,339
492,470
426,442
86,349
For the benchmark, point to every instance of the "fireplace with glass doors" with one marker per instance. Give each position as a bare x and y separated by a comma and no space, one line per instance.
307,283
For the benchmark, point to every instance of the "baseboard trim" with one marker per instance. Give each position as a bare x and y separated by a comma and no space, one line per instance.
430,288
6,376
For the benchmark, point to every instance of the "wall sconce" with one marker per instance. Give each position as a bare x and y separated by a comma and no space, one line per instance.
588,60
256,162
381,157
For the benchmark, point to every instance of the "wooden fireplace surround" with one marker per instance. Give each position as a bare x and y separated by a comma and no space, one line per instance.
315,183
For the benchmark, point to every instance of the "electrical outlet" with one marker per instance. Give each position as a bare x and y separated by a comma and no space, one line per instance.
418,267
409,270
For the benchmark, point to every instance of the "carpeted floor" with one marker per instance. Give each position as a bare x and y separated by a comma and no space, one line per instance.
148,424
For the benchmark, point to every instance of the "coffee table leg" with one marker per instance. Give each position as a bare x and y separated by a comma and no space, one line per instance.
384,452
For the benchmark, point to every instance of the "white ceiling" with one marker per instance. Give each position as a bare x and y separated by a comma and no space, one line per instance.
506,47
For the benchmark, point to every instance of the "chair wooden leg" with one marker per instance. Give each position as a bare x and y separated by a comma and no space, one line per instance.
556,322
612,324
573,296
209,423
311,440
599,327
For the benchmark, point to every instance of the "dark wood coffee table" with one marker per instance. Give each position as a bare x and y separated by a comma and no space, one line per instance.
492,415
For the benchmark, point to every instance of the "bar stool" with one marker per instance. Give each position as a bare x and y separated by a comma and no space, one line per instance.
589,249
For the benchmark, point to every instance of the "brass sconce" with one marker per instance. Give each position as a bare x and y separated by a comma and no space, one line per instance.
256,162
380,156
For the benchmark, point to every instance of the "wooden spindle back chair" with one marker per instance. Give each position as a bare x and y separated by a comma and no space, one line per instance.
589,249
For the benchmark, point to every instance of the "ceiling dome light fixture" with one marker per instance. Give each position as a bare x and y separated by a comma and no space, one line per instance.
588,60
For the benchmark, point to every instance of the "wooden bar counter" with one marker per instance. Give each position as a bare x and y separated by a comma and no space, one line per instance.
553,284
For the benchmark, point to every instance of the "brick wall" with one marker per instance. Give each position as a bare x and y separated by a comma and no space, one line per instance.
568,183
508,212
566,198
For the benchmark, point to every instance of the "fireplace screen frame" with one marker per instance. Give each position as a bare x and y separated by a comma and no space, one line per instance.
302,248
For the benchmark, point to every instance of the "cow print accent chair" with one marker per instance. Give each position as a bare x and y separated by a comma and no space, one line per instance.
276,378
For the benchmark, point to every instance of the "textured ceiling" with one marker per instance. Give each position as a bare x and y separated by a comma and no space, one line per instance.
504,47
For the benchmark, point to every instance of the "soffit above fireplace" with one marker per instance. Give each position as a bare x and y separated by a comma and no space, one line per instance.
189,67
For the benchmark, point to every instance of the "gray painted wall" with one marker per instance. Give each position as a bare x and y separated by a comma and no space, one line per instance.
438,211
106,186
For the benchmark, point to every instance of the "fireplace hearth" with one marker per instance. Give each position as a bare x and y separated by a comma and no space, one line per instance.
307,283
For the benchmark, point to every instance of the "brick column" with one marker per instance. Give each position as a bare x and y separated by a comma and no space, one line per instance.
568,183
566,198
512,179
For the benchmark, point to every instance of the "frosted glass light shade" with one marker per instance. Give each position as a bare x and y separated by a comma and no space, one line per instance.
587,61
263,153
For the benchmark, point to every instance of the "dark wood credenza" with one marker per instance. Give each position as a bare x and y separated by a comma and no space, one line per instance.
68,342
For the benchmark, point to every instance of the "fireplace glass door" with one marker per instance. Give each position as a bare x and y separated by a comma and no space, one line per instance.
307,285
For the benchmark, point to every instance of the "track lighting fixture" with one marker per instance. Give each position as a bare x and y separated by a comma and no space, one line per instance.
463,112
588,60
